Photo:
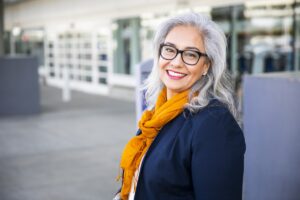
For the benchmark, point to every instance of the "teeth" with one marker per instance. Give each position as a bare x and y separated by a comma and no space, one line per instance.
175,74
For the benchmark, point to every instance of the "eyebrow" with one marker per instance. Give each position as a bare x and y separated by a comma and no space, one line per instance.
191,48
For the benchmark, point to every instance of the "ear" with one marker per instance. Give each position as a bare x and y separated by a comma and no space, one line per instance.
206,67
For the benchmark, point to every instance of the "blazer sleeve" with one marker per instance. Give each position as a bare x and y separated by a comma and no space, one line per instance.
217,165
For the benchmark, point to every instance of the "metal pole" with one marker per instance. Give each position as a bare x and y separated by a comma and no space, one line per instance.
12,43
233,43
295,33
1,28
66,93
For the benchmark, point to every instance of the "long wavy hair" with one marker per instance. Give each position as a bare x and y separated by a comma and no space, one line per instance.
216,84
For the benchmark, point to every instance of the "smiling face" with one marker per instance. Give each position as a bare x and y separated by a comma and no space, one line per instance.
175,74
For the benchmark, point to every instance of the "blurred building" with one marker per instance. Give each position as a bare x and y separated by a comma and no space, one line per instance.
97,44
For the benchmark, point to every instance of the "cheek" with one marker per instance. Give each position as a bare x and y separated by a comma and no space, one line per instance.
197,74
160,68
162,63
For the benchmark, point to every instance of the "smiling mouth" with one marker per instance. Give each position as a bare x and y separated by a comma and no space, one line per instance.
175,75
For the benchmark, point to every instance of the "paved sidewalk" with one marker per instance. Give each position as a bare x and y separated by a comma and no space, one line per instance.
70,151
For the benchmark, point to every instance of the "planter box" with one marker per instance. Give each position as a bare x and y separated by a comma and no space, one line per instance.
19,87
272,132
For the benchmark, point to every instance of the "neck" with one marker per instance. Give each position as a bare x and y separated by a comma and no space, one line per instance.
170,94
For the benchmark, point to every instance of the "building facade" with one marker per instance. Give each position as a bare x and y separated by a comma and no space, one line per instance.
95,45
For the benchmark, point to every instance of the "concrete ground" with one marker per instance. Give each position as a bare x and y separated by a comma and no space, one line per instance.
70,151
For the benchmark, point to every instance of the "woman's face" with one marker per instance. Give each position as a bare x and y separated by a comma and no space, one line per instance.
176,75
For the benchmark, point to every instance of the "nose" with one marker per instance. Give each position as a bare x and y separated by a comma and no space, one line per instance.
177,61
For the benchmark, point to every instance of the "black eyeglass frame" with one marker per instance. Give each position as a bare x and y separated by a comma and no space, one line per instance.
181,53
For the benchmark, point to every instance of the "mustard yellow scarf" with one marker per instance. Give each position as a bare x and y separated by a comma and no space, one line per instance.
150,124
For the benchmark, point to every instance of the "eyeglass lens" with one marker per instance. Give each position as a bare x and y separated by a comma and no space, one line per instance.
188,56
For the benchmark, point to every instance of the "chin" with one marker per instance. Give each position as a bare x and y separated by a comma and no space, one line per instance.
175,89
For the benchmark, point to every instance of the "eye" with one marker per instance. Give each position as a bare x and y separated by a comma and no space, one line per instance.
169,49
191,54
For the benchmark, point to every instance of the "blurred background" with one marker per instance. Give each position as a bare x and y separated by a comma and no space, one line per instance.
69,71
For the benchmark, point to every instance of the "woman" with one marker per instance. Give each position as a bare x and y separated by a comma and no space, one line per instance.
189,145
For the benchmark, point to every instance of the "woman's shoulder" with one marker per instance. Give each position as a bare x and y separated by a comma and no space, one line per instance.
214,114
214,108
215,124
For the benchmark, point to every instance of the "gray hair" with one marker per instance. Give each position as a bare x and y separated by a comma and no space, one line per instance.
215,84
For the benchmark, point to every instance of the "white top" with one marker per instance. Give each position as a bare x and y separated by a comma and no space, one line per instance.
134,181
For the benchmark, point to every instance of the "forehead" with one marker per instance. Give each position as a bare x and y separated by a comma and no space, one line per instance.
185,36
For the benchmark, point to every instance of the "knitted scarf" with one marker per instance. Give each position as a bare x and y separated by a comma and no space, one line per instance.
150,124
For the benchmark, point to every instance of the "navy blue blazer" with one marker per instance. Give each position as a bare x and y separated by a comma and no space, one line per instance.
195,157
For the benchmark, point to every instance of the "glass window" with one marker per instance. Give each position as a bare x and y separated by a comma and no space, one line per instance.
102,81
127,39
269,37
88,78
102,69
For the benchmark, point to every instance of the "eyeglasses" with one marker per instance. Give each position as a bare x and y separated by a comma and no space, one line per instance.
189,57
